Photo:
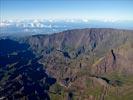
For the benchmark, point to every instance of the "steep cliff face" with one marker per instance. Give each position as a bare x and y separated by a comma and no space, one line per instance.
84,48
74,39
117,60
75,57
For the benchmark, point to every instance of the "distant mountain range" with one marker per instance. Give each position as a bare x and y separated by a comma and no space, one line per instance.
32,27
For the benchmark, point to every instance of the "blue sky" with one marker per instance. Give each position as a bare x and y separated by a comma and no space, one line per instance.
61,9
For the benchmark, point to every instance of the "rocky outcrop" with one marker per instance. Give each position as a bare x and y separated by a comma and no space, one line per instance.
116,61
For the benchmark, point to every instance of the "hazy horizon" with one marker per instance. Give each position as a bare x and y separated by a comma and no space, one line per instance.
51,16
111,10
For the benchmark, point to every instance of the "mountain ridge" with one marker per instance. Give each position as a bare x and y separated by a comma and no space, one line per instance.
89,63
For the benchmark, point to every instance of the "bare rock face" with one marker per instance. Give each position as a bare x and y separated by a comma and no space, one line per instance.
96,45
80,57
88,64
79,41
68,53
118,60
107,64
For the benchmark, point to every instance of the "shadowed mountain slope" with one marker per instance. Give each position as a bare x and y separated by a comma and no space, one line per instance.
21,75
